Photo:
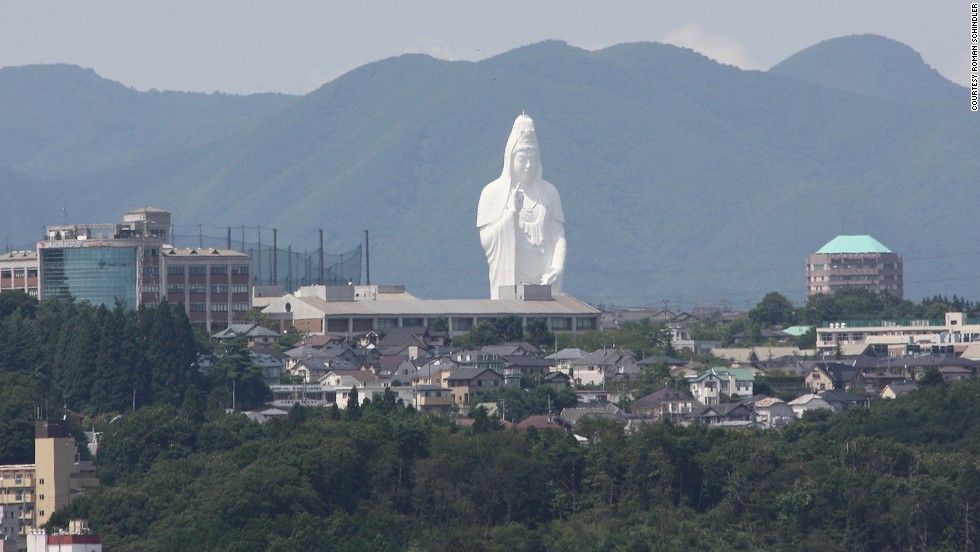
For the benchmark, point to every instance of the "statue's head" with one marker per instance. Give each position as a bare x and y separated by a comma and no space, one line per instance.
524,161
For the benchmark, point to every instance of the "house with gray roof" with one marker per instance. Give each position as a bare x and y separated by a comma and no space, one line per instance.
254,333
598,367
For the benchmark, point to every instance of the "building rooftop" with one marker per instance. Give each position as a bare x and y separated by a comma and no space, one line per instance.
853,244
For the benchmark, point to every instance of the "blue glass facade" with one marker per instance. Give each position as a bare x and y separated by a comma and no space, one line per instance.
99,275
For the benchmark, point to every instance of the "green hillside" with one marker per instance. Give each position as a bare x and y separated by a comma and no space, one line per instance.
681,178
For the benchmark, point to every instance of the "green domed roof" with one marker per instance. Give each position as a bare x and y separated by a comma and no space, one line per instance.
853,244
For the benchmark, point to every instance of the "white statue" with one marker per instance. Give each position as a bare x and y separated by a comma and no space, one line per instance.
521,222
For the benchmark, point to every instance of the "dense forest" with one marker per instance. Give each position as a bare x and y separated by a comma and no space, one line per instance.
64,357
899,476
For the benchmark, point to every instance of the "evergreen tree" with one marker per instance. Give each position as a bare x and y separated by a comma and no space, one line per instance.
19,346
75,373
353,410
112,387
235,370
170,355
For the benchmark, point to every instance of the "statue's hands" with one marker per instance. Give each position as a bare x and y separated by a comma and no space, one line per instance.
516,201
549,278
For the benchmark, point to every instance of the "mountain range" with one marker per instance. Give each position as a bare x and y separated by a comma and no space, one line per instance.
682,179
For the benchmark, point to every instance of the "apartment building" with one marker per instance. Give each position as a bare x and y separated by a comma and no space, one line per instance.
854,261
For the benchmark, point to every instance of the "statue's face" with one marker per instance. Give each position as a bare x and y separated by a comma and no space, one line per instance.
525,163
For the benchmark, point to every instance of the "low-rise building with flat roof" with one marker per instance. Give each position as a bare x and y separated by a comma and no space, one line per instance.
347,310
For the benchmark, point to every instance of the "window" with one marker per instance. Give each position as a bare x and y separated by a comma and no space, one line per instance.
151,270
197,288
239,288
197,270
561,324
412,322
175,289
175,270
219,307
240,270
219,269
198,307
219,288
239,307
151,288
585,324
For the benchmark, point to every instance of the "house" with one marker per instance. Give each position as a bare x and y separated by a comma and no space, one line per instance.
771,412
558,380
842,400
897,389
272,363
710,386
434,372
513,348
667,403
726,414
309,370
468,384
563,359
320,341
570,417
397,367
540,421
479,359
530,367
433,398
810,401
254,333
597,367
824,376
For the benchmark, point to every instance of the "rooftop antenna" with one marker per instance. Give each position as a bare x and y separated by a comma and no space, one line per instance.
64,216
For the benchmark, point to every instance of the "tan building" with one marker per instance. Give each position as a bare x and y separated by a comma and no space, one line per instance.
31,493
854,261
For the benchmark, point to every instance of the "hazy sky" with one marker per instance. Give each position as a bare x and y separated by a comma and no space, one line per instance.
294,46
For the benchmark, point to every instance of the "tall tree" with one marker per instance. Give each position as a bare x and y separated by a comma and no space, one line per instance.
235,371
774,310
171,356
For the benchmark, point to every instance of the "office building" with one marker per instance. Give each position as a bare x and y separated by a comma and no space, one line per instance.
133,262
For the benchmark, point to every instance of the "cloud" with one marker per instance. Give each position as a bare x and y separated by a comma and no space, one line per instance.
717,47
434,48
